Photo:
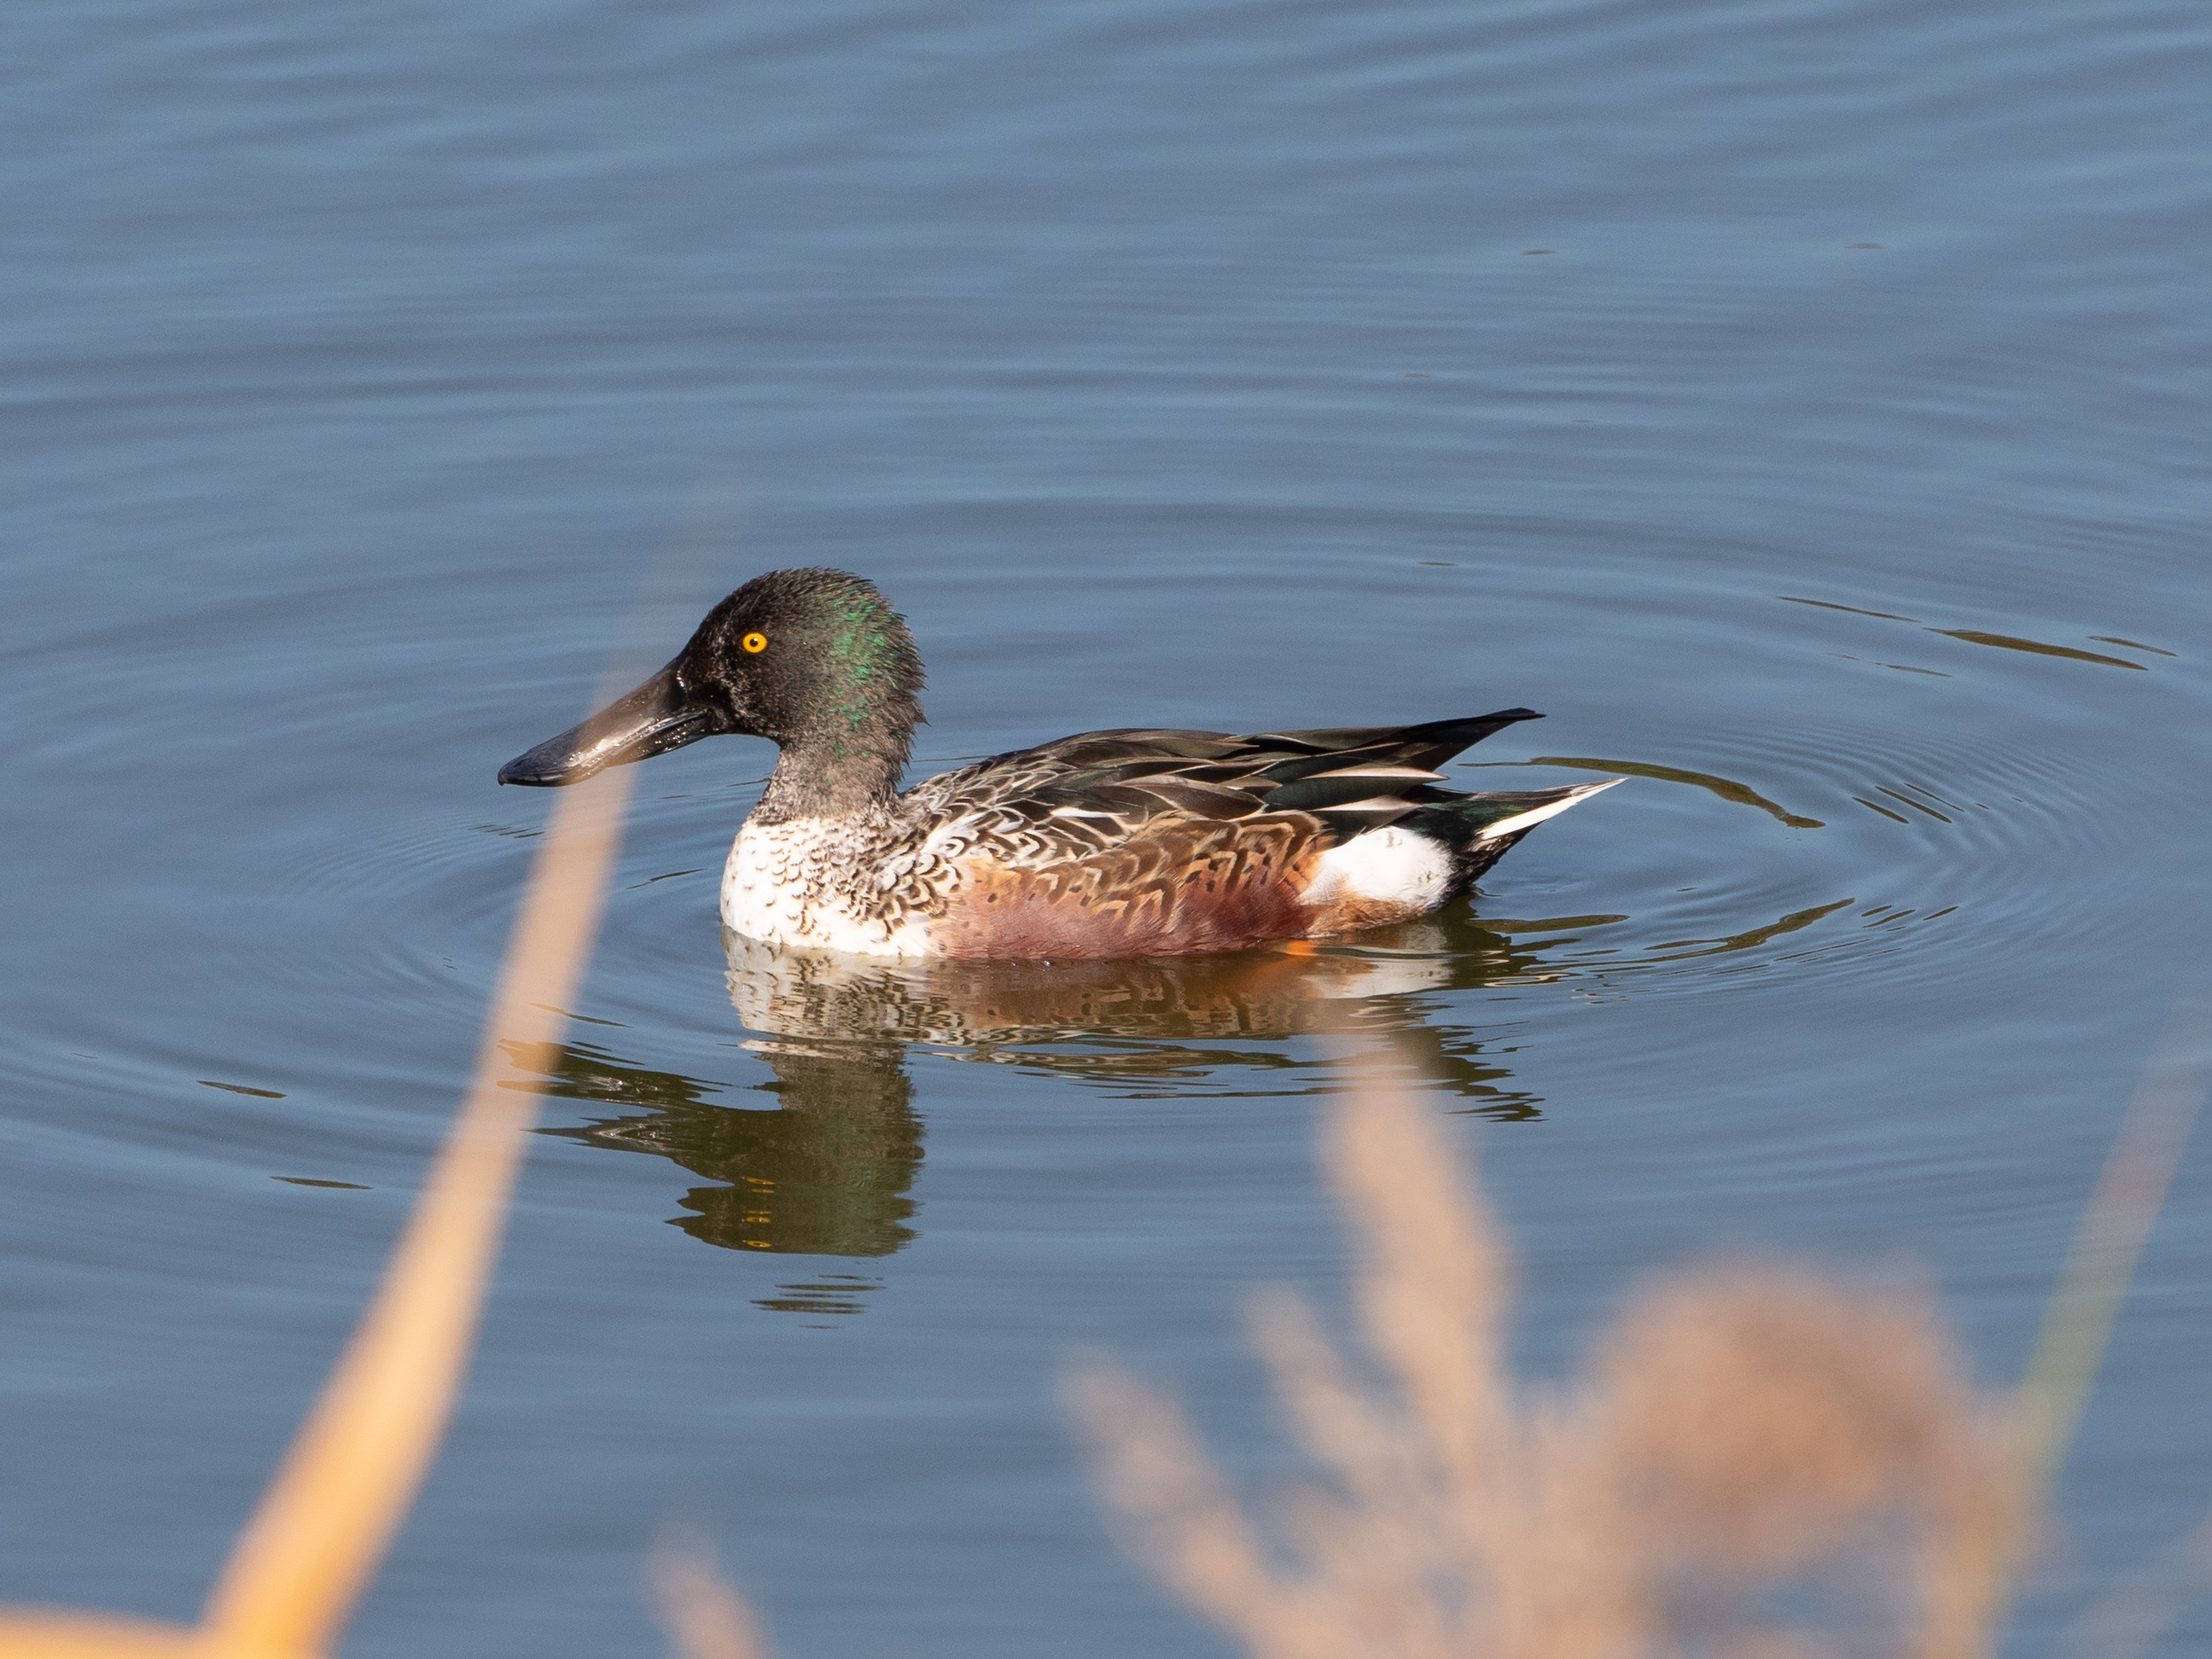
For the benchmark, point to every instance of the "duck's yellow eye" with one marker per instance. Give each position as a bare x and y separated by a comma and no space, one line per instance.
755,644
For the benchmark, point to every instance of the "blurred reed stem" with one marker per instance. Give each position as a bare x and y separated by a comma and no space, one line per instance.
328,1516
2108,1240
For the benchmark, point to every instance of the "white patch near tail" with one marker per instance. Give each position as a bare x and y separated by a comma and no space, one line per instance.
1520,821
1391,865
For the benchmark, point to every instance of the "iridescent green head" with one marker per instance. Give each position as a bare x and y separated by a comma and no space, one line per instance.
815,660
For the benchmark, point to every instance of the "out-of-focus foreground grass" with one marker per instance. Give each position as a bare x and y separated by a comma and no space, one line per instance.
315,1541
1742,1434
1757,1461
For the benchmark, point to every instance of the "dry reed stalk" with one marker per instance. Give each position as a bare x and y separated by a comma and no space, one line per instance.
1743,1432
2108,1242
328,1516
705,1618
324,1522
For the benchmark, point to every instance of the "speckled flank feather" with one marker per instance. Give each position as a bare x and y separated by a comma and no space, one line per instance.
1173,887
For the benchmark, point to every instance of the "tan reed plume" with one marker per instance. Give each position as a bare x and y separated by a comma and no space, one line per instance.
1740,1428
704,1618
330,1513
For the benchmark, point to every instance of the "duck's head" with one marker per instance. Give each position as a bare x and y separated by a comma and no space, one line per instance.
814,660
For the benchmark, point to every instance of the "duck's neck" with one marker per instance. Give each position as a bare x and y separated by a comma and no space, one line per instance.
853,774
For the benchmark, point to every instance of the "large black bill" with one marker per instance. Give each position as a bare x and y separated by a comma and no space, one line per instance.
651,720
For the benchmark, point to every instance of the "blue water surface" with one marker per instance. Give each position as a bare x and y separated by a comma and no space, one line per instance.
1801,402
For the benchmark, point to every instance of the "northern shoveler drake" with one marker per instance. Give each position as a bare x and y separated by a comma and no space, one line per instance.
1121,843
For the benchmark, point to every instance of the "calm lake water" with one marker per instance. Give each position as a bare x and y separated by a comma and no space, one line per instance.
1802,402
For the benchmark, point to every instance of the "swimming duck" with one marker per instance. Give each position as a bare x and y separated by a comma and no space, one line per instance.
1120,843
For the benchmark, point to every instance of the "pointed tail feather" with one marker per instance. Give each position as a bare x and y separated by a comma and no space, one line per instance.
1523,810
1479,828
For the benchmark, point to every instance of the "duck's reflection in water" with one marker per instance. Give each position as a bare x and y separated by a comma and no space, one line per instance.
826,1174
1164,1019
829,1171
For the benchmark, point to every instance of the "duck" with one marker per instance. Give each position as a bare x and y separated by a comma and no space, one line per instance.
1118,843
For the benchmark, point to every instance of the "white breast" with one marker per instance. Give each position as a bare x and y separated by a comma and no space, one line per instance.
799,883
